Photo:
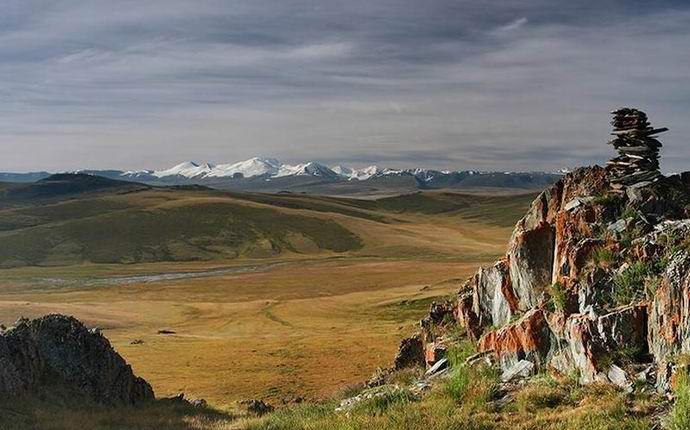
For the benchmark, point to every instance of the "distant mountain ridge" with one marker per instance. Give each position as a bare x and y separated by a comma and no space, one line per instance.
270,175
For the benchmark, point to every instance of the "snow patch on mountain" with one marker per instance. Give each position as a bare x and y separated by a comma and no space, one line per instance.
188,169
311,168
248,168
356,174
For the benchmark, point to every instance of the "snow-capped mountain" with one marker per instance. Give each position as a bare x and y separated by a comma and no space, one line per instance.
270,175
357,174
252,168
311,168
188,169
248,168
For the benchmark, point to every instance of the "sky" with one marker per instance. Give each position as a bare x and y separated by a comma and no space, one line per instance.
448,84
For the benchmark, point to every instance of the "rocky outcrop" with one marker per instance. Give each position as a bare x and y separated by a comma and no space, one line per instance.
596,278
58,351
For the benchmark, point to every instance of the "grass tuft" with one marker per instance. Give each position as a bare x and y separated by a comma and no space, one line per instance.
679,417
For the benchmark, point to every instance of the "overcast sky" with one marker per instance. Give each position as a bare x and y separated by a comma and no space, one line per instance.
453,84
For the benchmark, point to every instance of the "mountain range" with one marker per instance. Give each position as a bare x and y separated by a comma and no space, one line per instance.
270,175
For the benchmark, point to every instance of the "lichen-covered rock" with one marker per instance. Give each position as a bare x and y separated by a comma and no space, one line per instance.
668,320
591,344
528,338
434,351
669,317
58,350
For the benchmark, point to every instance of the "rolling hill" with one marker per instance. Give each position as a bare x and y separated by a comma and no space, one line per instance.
71,219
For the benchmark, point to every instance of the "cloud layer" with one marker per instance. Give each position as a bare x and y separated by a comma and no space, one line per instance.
515,85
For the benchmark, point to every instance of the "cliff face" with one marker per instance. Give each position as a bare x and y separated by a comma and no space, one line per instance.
57,351
596,280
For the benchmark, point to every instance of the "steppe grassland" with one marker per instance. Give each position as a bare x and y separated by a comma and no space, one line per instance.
307,326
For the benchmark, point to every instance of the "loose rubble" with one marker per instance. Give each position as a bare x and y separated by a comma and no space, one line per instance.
257,407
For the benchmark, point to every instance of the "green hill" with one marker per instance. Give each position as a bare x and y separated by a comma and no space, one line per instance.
72,219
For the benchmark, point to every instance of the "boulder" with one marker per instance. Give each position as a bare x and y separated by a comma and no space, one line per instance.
565,297
410,353
521,369
59,351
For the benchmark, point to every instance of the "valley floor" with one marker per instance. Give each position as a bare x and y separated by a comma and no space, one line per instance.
276,333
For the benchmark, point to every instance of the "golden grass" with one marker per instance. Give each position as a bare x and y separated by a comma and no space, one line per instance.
302,329
297,325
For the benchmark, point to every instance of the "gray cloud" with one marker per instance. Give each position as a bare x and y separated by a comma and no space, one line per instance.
515,85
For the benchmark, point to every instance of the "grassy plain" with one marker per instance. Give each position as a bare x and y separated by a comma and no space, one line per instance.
303,321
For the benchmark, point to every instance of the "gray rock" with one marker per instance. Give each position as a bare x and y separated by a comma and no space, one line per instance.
489,299
437,367
588,338
198,403
618,377
258,407
619,226
531,253
521,369
62,350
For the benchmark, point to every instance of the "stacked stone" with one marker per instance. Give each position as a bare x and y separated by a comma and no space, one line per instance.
638,159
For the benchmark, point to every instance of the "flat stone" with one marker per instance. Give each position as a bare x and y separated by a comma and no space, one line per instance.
573,204
618,226
440,365
521,369
618,377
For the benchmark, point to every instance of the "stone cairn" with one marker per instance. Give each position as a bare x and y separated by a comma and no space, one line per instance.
638,159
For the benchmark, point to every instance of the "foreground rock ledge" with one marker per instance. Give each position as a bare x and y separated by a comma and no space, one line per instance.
59,352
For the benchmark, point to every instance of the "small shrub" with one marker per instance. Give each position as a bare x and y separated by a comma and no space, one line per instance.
472,386
606,200
603,257
459,378
405,376
458,354
651,285
630,284
629,212
558,296
627,354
